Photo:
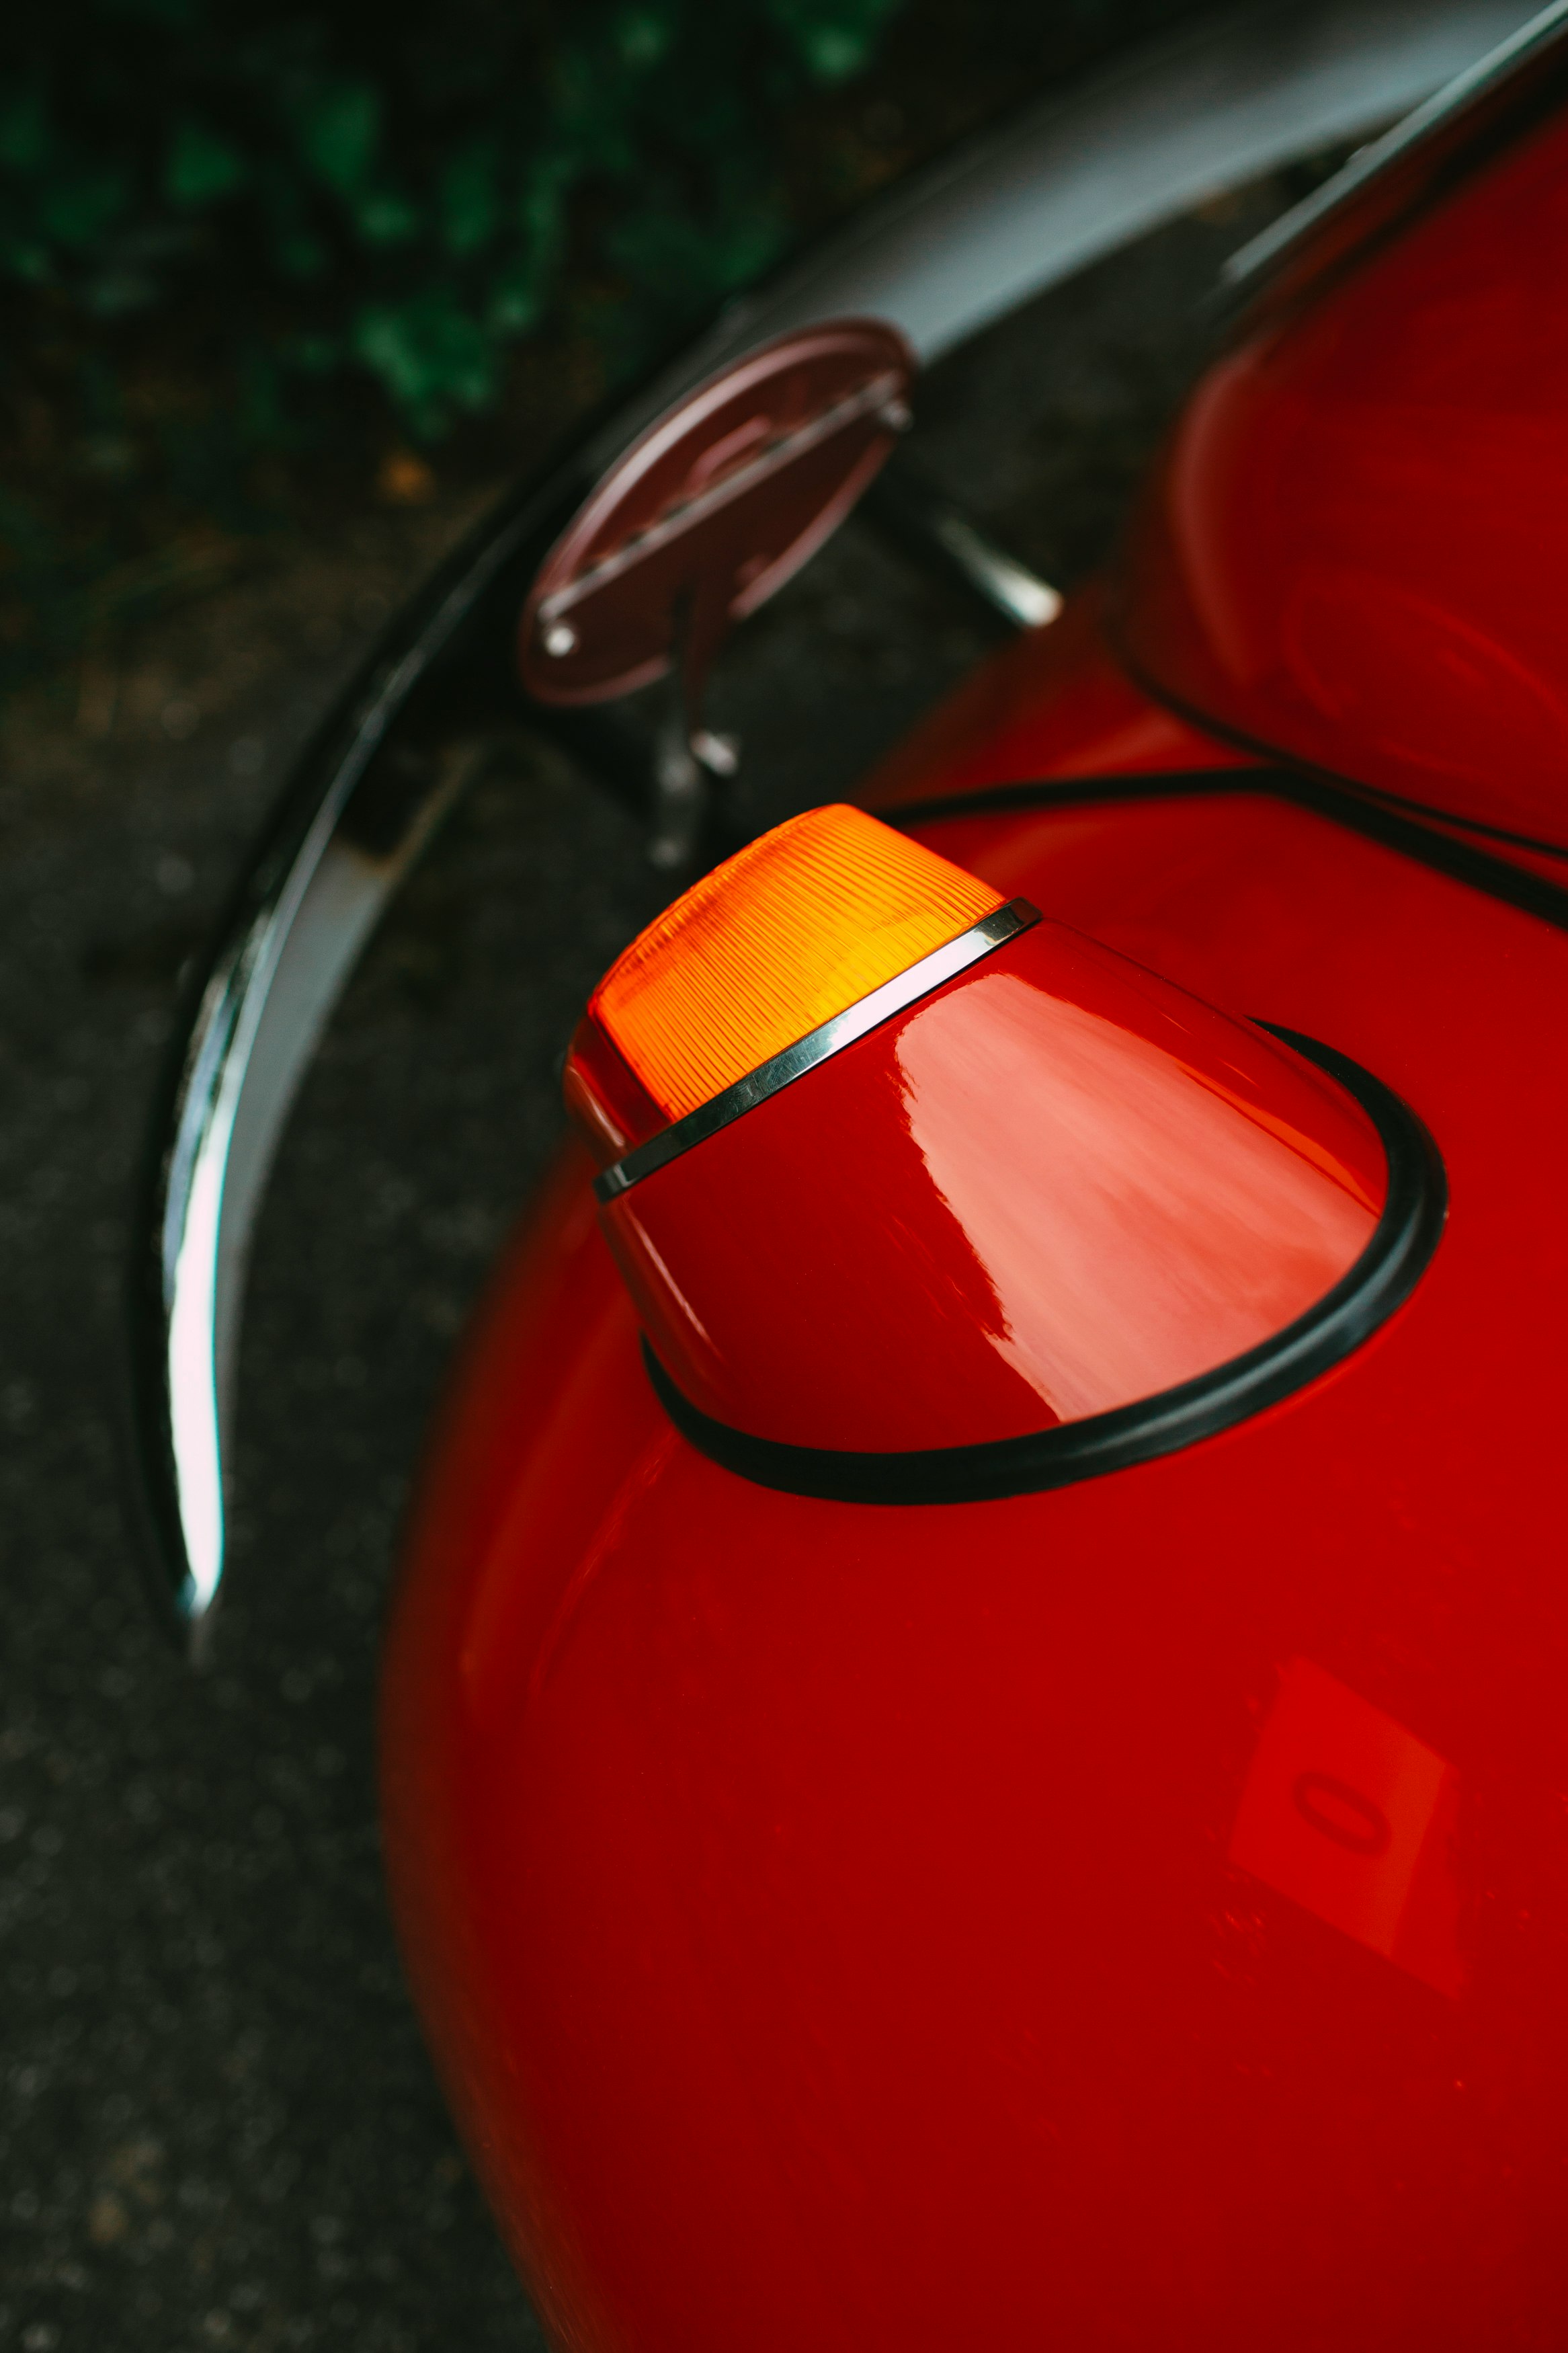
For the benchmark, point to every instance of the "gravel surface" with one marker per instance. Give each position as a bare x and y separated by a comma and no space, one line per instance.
219,2125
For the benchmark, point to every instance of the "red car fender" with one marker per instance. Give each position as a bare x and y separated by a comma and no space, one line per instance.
1134,1913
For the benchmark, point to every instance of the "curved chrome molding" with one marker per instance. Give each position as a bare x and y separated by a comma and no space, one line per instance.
782,1070
260,1014
996,223
357,814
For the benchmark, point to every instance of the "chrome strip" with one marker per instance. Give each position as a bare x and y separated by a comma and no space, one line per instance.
262,1015
1263,250
1008,586
781,1070
931,529
1016,211
353,822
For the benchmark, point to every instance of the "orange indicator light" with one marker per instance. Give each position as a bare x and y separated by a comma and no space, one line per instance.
794,929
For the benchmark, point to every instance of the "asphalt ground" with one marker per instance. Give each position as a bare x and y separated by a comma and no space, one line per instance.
220,2126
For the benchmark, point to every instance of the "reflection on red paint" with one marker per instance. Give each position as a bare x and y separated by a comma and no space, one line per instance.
1342,1813
1352,1817
1136,1221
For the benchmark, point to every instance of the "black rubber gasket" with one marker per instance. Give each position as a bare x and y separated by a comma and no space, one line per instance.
1382,1278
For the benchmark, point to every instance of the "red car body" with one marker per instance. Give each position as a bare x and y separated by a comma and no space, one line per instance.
1132,1913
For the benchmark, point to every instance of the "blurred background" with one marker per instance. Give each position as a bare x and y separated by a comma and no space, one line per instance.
290,293
269,268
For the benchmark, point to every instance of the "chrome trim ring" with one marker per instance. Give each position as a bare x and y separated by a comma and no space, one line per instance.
781,1070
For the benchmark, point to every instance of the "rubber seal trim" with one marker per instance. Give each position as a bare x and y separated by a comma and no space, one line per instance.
1383,1277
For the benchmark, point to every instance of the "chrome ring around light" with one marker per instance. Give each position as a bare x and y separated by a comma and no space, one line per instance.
818,1045
1169,124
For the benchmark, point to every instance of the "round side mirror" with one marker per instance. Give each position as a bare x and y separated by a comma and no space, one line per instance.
709,512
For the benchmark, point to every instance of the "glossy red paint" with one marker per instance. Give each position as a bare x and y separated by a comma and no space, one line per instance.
1072,1186
1350,555
865,1927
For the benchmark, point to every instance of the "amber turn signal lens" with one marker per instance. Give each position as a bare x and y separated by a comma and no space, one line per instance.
796,927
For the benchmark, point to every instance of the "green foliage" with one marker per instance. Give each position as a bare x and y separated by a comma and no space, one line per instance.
235,231
386,191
